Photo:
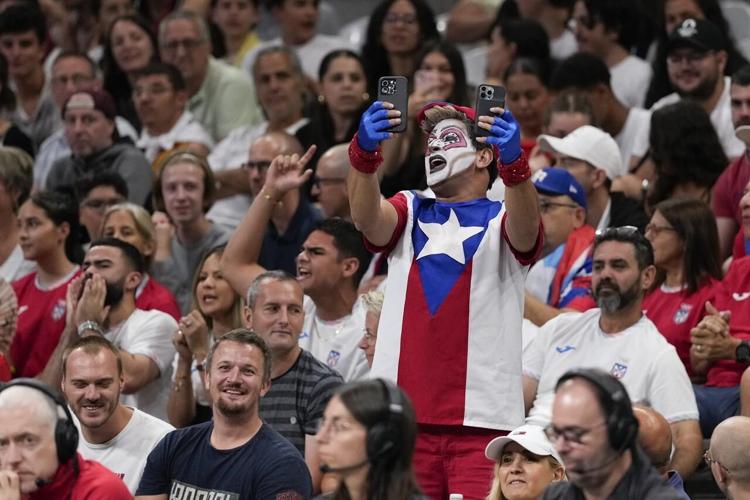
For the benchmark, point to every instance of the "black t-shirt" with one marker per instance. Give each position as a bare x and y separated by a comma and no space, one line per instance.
626,211
184,466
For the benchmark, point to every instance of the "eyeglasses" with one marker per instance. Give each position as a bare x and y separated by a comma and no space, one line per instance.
653,228
688,57
323,181
573,435
617,232
710,460
546,205
261,166
393,18
100,204
337,426
188,44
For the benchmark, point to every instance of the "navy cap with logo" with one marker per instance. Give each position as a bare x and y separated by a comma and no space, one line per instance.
699,34
557,181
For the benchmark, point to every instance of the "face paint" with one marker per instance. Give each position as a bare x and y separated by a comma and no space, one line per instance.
449,151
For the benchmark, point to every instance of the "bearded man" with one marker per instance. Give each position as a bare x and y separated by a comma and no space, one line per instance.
450,328
620,340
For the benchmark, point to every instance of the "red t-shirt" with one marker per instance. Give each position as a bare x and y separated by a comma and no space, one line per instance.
734,297
156,296
729,187
5,373
674,313
93,481
41,320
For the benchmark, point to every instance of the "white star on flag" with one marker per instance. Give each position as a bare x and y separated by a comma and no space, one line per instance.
447,238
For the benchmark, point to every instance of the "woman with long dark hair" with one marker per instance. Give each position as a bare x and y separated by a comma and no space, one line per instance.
686,254
527,85
398,29
48,235
367,438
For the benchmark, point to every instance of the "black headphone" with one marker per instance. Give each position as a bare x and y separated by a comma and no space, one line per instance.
383,438
622,425
66,433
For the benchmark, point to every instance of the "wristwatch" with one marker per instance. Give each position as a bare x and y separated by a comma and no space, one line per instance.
742,353
89,325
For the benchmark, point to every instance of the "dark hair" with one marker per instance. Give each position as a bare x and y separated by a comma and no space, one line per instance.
84,185
390,477
570,101
61,208
335,54
236,304
539,68
133,257
374,54
7,97
460,93
244,336
684,147
348,241
695,225
580,71
73,54
116,82
161,68
660,84
529,35
184,156
277,4
22,18
619,16
742,76
254,2
644,252
91,344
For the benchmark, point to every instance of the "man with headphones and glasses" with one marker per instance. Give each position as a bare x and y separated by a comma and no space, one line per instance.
38,443
595,432
616,337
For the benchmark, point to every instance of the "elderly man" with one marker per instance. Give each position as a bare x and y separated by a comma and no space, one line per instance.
696,57
90,130
594,431
729,459
117,436
562,279
236,455
619,339
457,263
159,95
38,442
220,96
329,182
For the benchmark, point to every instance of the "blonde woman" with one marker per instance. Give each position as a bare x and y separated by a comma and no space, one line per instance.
525,464
373,301
132,223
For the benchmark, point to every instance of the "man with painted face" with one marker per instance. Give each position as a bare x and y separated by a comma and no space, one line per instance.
451,320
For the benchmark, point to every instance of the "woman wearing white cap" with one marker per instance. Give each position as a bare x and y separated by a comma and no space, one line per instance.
525,464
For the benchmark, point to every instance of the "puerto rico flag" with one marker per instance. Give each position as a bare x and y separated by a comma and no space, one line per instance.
450,329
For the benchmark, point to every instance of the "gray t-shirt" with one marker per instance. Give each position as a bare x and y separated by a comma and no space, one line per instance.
177,273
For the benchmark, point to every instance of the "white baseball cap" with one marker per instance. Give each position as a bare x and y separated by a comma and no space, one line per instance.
531,437
589,144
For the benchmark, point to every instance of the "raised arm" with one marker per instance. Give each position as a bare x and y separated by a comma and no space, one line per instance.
521,202
376,218
239,263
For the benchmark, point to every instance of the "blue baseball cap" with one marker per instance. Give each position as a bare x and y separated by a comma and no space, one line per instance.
558,181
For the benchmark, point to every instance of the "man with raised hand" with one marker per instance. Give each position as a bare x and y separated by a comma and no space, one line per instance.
451,321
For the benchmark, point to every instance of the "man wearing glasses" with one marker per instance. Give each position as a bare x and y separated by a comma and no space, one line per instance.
616,337
696,59
728,457
594,430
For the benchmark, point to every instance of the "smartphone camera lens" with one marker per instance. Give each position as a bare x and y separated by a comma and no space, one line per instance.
388,87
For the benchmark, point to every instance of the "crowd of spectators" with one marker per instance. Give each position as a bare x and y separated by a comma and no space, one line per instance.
223,275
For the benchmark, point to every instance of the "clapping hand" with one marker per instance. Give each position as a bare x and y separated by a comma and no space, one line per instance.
710,338
194,331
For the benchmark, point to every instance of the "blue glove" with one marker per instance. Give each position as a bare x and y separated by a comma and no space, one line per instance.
373,127
506,134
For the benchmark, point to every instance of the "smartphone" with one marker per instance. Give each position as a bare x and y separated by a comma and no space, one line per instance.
488,96
394,89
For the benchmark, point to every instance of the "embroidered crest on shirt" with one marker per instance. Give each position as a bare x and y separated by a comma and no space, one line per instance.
446,236
682,314
618,370
333,358
58,311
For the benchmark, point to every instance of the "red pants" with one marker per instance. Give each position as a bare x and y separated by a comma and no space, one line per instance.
450,459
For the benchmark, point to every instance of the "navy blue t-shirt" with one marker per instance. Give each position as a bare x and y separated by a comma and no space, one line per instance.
184,465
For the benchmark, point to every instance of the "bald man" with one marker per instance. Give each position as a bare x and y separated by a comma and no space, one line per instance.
729,458
329,183
655,438
293,217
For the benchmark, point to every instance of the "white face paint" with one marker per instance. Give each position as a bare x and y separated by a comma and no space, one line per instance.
449,151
